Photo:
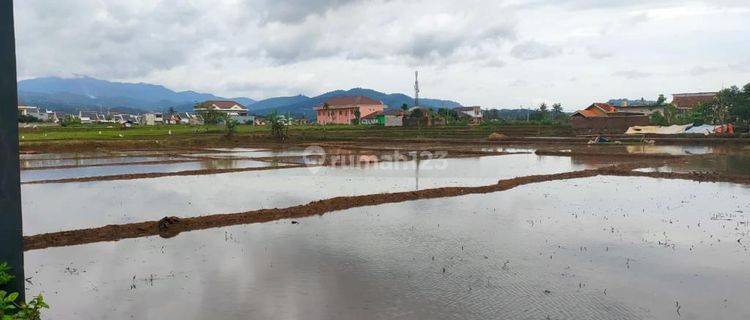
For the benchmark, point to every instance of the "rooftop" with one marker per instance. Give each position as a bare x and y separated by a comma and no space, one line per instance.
222,104
350,101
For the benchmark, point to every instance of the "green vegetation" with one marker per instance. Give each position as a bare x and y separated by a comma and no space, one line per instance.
27,119
11,308
278,126
99,132
731,105
357,116
70,120
541,115
231,126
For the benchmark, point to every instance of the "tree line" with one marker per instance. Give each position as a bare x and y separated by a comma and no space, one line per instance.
730,105
543,113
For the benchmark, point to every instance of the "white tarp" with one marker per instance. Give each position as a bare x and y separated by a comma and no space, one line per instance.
675,129
704,129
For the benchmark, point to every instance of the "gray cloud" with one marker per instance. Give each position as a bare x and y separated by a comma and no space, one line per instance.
532,50
701,70
294,12
740,66
598,52
632,74
264,47
105,39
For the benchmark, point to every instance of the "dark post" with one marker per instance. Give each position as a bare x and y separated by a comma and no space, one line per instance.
11,234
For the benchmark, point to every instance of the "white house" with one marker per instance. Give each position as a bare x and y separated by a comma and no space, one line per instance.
474,113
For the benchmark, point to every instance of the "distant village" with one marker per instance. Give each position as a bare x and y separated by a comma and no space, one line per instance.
615,115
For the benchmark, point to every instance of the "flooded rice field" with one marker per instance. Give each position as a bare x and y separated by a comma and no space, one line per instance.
90,204
603,247
135,168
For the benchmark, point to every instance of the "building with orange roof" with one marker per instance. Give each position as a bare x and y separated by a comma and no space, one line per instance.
343,109
605,117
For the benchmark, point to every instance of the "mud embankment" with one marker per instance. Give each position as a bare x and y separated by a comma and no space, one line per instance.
70,166
608,155
132,176
174,225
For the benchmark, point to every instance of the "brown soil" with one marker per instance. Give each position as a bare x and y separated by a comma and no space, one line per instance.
217,140
67,166
497,136
578,153
158,174
334,156
171,226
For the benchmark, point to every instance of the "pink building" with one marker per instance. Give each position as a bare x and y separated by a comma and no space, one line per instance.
341,110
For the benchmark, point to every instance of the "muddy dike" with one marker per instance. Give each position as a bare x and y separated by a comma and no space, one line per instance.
333,157
359,137
151,175
606,154
171,226
69,166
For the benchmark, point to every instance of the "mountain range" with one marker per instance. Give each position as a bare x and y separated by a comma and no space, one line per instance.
85,93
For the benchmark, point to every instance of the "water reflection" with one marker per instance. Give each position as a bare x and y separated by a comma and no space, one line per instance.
597,248
77,205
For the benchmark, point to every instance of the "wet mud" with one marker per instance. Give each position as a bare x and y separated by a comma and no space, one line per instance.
612,155
68,166
150,175
171,226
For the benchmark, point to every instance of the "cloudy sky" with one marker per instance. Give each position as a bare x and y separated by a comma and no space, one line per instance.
489,53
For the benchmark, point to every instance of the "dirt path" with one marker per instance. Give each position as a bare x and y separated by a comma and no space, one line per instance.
171,226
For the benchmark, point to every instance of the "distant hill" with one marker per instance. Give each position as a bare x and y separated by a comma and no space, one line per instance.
304,106
90,93
85,93
278,102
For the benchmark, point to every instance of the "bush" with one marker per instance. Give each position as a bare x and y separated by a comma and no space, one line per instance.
69,121
10,309
27,119
231,126
278,127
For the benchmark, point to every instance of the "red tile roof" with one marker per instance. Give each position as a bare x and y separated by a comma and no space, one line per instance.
598,110
587,113
692,100
223,104
604,106
351,100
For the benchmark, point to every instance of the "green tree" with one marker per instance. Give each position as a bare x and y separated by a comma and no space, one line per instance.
278,126
404,107
26,118
727,100
212,116
670,114
557,112
658,119
357,115
739,104
230,126
70,120
660,100
701,114
544,111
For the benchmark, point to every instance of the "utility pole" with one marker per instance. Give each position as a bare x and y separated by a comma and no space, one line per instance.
11,234
416,88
